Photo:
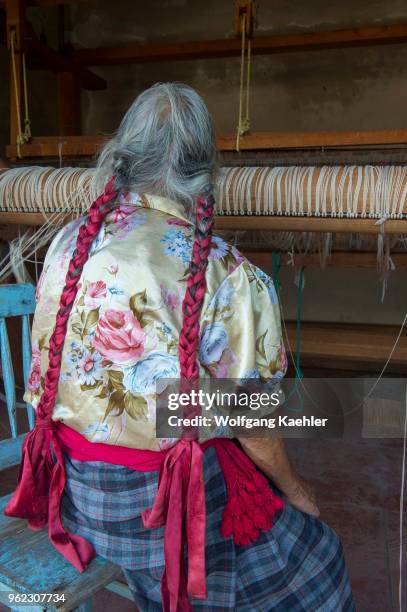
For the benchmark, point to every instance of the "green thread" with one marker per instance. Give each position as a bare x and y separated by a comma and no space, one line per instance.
276,259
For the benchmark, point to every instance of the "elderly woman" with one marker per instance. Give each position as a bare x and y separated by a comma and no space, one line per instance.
135,292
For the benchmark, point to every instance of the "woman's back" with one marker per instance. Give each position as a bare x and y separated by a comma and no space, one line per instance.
123,330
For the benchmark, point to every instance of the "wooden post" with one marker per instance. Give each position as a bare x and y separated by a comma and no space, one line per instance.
244,7
15,18
69,104
68,87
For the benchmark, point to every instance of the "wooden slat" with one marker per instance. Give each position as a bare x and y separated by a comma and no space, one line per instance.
26,352
8,376
9,524
55,146
10,451
87,146
261,45
30,564
259,222
308,224
337,259
17,300
69,104
310,140
369,344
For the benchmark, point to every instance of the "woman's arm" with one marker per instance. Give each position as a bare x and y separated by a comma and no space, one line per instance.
270,456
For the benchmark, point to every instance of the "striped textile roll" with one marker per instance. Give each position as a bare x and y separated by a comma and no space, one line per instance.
376,192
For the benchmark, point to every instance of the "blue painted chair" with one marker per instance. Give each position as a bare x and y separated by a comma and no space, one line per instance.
28,562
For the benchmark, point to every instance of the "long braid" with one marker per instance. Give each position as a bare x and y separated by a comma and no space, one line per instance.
87,233
196,287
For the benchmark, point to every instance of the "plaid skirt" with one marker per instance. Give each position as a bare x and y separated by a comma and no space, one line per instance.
298,566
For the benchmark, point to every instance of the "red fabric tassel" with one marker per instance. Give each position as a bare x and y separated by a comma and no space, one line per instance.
180,506
252,504
40,486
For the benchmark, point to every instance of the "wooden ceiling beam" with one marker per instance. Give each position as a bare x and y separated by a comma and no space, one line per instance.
261,45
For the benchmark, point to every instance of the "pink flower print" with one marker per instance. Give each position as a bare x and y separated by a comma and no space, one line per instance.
95,294
170,299
34,377
221,368
89,368
121,212
119,336
113,269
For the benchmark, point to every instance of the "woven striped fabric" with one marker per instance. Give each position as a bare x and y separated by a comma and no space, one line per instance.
298,566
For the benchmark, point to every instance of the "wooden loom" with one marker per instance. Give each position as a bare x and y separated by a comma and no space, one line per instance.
339,345
257,149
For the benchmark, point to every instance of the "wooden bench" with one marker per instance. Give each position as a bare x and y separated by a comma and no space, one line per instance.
28,561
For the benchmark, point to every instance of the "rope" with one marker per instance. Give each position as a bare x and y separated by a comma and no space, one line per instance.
244,122
276,259
22,137
299,375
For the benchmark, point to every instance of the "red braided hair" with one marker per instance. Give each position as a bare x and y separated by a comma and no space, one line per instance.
41,478
87,234
196,287
191,306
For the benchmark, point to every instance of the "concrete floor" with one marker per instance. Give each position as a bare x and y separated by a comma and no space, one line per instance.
358,486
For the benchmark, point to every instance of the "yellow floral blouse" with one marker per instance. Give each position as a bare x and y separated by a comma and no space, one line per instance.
124,326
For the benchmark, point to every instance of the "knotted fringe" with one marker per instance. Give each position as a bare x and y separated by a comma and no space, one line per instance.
252,505
41,483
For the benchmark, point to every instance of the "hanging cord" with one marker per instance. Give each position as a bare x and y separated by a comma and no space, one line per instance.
22,137
298,372
244,122
276,259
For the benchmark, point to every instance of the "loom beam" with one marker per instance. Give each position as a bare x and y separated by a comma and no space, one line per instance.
88,146
261,45
367,200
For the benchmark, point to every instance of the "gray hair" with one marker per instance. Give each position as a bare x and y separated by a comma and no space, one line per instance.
165,145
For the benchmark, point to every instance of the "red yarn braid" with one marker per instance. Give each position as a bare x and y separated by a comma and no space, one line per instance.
41,480
87,234
196,287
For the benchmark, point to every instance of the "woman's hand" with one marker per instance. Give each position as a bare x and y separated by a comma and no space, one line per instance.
300,494
270,455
